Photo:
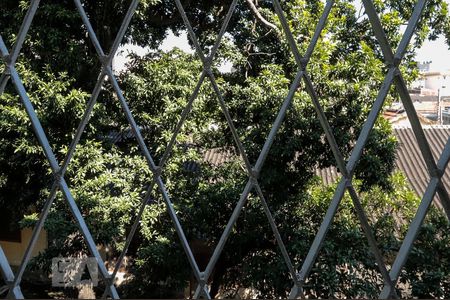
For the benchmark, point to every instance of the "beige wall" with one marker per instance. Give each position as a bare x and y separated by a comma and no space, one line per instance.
438,81
14,251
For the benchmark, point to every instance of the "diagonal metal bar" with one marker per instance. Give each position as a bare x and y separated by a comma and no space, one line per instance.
288,34
43,141
315,248
415,123
31,12
183,117
371,239
165,156
35,235
197,47
43,216
54,165
417,222
301,62
410,29
189,105
357,151
373,18
226,233
342,186
230,123
278,122
320,26
255,172
169,148
403,90
320,236
330,137
207,67
244,196
379,31
173,139
161,164
91,33
400,84
370,122
144,149
300,74
249,186
8,275
72,147
84,120
277,234
156,172
253,175
12,57
422,141
355,199
339,158
341,165
393,76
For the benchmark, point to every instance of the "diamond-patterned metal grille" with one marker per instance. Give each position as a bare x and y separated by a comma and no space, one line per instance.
393,77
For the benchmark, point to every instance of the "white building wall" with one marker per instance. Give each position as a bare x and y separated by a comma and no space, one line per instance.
438,81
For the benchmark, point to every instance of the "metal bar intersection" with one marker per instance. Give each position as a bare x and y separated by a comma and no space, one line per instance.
393,77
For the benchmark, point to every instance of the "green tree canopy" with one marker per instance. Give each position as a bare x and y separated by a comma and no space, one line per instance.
109,177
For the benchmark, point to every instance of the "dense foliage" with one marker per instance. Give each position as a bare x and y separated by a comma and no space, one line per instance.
109,177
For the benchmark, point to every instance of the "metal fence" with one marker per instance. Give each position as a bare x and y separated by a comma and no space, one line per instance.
393,77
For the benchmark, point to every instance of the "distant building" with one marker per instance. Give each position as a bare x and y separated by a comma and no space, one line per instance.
431,83
424,66
431,94
426,108
437,81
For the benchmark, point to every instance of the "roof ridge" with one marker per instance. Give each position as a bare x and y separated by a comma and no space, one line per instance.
428,127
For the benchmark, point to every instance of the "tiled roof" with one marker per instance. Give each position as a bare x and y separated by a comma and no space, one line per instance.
214,156
409,158
329,175
217,156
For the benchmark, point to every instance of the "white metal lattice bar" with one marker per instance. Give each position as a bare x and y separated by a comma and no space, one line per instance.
142,144
417,222
38,227
402,88
393,76
12,58
8,275
356,153
43,141
331,140
254,173
160,166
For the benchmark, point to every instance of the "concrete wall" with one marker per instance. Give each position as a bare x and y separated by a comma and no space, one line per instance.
14,251
438,81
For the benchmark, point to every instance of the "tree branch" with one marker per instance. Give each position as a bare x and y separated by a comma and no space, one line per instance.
258,15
